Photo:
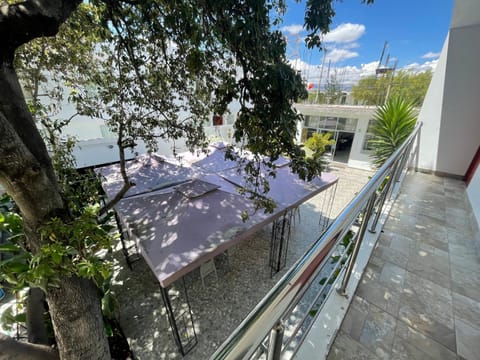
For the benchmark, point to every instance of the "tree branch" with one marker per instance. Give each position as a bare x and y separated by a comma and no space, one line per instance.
126,182
11,349
27,20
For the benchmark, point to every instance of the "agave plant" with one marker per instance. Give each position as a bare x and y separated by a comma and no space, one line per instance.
394,122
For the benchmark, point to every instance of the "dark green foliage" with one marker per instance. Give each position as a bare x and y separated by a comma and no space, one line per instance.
394,122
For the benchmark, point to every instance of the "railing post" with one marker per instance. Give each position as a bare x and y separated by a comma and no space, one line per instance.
361,233
383,197
275,344
403,160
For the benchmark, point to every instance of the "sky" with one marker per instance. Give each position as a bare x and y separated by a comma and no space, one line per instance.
415,31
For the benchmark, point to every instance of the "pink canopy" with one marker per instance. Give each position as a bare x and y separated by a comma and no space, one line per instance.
177,233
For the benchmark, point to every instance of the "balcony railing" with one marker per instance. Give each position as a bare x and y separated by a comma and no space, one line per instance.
277,326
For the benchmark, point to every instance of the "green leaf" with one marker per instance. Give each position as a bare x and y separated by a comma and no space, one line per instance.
108,329
10,248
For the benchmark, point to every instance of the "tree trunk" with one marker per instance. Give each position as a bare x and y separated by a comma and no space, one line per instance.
27,175
37,332
77,320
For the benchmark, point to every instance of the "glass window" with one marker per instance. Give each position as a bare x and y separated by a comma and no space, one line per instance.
330,123
312,121
347,124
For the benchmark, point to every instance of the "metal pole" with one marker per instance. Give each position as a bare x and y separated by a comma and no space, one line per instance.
321,74
171,319
275,344
383,197
361,233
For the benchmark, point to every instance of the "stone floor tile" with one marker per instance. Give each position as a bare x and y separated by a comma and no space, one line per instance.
416,344
457,201
380,296
466,309
463,250
355,318
375,260
430,263
378,332
468,340
403,350
435,297
392,276
431,235
458,222
395,256
465,280
401,242
468,260
345,348
457,237
428,308
420,248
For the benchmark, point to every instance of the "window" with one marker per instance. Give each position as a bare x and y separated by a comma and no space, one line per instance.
347,124
217,120
330,123
312,121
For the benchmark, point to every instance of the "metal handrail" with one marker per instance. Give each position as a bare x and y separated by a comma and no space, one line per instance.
249,335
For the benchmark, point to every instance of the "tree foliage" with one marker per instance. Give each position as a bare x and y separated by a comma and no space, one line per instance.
412,87
317,144
394,122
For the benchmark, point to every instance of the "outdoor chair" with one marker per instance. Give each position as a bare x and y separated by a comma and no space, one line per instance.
206,269
229,253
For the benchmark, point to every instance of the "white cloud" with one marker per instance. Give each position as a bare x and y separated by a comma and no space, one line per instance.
350,75
337,55
418,68
345,33
430,55
353,45
293,29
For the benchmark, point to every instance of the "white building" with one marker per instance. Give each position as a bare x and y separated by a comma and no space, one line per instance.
349,126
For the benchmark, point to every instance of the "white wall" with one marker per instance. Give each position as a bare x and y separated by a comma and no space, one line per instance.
358,158
103,151
431,113
460,127
451,111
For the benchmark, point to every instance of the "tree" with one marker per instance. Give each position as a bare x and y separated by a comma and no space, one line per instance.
394,122
412,87
317,144
160,58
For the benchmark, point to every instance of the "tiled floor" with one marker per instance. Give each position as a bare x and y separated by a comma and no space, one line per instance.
419,297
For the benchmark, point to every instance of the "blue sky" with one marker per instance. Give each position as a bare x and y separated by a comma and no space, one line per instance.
414,29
